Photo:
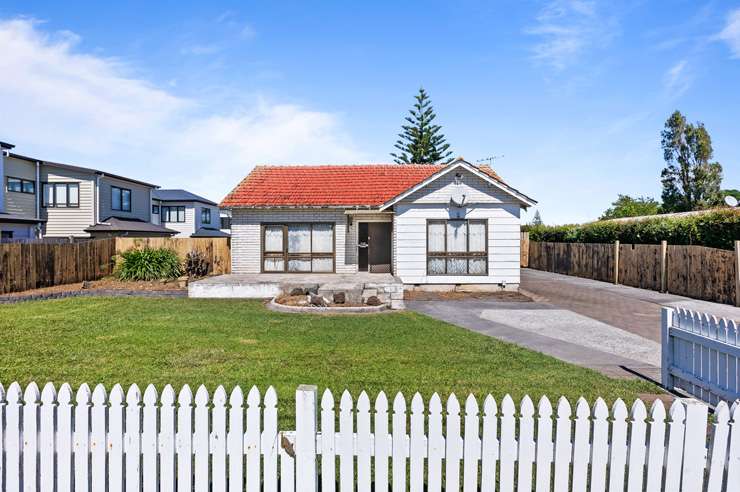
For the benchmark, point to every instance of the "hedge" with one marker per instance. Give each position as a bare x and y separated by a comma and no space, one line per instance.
718,229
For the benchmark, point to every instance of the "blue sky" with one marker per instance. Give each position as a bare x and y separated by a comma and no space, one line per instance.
572,93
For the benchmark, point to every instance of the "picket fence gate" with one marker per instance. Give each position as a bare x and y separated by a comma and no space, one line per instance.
700,355
87,441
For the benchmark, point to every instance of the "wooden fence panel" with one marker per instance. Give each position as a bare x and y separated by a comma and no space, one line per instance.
702,273
594,261
524,250
217,250
639,265
26,266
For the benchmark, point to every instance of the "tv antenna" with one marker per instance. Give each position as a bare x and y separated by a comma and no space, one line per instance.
490,160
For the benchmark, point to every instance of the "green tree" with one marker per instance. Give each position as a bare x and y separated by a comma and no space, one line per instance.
690,180
537,219
626,206
420,140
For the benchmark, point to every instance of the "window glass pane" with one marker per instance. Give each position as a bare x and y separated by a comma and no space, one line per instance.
74,195
61,195
126,200
29,187
14,184
181,214
299,239
436,237
273,238
323,264
205,215
457,266
155,209
299,265
274,265
436,266
115,198
48,195
323,238
477,266
457,240
477,232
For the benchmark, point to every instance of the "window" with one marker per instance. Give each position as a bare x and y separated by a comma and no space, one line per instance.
225,222
120,199
205,215
298,248
173,214
457,247
61,195
155,209
6,234
19,185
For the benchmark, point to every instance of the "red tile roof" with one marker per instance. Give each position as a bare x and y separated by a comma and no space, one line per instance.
368,185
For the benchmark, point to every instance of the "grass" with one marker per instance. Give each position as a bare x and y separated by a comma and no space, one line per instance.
212,342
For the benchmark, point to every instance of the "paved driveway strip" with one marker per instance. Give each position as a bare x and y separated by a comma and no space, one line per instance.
610,328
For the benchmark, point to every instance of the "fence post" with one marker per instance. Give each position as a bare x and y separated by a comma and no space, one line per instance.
305,438
666,359
737,273
663,266
616,261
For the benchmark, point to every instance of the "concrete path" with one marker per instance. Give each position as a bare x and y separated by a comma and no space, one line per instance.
612,329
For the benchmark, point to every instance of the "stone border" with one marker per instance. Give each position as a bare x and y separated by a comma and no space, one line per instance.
282,308
4,299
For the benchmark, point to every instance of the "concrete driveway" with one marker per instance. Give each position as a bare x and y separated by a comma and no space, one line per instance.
612,329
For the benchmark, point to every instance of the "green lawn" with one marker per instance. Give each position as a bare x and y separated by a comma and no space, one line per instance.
212,342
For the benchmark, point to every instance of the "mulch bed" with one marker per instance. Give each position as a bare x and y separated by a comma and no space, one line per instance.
300,301
418,295
103,287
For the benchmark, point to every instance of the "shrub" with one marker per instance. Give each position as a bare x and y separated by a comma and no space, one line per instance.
196,264
718,229
149,264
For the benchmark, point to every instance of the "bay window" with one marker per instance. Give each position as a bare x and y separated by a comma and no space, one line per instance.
457,247
299,247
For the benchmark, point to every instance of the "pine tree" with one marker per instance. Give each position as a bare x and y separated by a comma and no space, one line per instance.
537,219
420,141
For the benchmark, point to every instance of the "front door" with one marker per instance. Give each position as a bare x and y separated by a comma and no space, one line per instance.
379,247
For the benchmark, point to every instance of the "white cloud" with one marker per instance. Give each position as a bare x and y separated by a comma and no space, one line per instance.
59,103
567,29
677,79
731,33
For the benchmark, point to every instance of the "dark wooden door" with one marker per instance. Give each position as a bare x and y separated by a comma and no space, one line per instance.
379,239
362,246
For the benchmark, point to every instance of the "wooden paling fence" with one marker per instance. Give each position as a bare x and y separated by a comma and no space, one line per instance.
216,250
701,355
125,441
693,271
34,265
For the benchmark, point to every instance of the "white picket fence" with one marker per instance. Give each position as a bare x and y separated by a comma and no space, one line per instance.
99,442
701,355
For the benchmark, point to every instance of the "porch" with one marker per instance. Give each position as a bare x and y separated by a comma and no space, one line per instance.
357,287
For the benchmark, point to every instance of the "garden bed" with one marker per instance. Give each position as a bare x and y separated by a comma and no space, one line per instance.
106,286
300,304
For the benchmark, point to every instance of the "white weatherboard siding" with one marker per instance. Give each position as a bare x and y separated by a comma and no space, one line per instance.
475,190
410,242
184,229
140,200
63,222
20,204
246,241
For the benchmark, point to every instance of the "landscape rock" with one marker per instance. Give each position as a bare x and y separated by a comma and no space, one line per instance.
373,301
298,291
339,298
86,284
319,301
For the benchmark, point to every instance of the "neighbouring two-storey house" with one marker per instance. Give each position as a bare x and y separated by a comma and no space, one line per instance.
187,213
48,199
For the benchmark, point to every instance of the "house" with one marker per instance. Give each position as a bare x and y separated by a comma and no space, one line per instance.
433,226
187,213
49,199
